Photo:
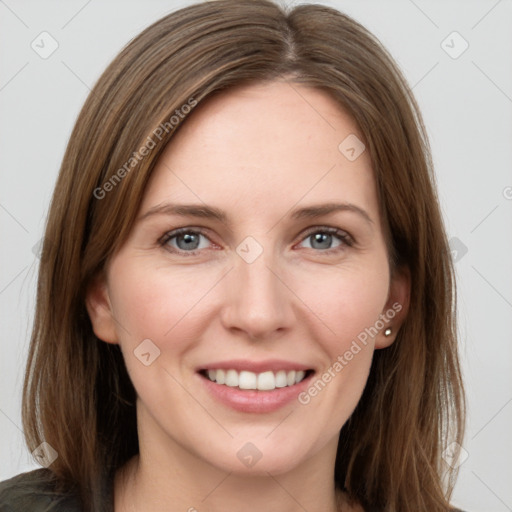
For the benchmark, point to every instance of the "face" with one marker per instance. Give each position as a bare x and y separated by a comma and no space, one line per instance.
260,288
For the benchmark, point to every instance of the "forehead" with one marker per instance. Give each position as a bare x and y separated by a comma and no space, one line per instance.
266,144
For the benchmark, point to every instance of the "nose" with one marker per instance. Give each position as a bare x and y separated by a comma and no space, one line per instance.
258,300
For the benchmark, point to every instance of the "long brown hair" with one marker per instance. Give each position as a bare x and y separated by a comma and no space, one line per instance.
77,395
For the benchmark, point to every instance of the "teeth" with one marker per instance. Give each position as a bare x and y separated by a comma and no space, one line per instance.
299,375
247,380
281,380
264,381
218,375
231,378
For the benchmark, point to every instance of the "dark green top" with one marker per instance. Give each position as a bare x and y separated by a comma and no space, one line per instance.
32,492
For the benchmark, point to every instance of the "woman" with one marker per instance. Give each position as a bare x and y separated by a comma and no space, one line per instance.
204,341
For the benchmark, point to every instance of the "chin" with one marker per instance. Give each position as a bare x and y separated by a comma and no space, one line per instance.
258,455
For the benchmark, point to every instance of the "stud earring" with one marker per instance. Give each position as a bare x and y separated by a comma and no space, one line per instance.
387,332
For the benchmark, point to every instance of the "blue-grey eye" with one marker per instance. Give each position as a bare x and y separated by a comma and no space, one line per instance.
323,240
186,240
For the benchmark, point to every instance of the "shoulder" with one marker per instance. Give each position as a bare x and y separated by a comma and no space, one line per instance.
34,491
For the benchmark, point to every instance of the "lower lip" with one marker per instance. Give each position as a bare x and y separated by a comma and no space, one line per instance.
252,400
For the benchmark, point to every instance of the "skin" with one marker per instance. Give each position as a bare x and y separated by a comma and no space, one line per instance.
257,152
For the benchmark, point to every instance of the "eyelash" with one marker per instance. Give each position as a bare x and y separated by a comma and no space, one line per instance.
345,239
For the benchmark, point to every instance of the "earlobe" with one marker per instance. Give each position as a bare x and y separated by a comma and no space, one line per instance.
396,308
100,312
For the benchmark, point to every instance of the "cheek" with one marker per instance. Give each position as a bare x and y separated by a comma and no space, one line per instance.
154,302
347,299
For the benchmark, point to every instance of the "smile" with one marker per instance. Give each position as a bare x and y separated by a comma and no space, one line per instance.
255,386
264,381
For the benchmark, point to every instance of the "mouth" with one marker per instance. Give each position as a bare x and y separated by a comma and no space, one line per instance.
263,381
255,387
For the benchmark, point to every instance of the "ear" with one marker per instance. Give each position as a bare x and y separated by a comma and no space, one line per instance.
100,311
396,308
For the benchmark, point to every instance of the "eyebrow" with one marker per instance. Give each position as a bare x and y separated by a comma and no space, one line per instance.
210,212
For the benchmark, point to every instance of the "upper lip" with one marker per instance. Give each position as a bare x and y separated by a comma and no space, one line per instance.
255,366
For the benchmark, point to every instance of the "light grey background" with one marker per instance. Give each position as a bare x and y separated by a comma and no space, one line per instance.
466,103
